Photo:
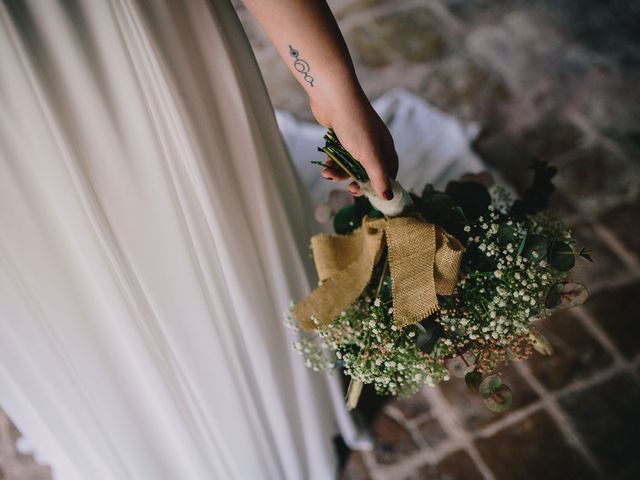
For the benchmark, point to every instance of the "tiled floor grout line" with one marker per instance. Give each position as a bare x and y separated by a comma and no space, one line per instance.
397,415
423,417
614,243
440,11
621,281
561,419
603,338
587,127
510,419
372,467
451,425
599,334
410,463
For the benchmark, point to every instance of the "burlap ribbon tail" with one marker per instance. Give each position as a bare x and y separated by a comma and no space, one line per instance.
424,261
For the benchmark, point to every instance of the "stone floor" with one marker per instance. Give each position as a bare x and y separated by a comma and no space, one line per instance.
548,78
553,78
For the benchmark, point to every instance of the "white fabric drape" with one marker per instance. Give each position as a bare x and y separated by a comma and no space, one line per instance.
152,232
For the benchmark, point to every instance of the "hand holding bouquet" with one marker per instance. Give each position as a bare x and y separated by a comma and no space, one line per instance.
411,286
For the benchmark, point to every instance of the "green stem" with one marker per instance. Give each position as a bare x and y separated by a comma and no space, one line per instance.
385,267
333,157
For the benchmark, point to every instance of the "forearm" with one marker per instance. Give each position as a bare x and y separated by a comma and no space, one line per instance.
307,37
305,34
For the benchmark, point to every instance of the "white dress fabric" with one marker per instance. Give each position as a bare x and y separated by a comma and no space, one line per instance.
152,233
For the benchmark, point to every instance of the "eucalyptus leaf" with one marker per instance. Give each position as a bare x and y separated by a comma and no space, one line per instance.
375,213
439,202
500,400
473,381
566,295
472,197
489,385
536,197
507,234
427,190
428,334
561,256
586,254
347,220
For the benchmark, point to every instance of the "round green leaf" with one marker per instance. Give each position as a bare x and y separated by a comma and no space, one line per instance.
566,295
439,201
347,220
489,385
427,336
473,197
473,381
561,256
507,234
500,400
375,213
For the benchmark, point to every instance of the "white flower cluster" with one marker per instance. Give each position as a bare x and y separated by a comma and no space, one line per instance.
370,348
501,290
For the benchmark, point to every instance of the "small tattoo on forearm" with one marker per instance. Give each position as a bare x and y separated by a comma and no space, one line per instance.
301,65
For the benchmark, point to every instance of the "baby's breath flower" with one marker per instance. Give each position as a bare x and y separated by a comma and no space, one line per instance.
500,291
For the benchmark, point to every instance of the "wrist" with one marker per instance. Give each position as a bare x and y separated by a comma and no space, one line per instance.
340,96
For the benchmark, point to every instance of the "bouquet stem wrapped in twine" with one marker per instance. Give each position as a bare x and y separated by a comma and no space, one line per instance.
423,262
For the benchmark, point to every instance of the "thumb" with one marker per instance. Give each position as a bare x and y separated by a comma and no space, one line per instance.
378,177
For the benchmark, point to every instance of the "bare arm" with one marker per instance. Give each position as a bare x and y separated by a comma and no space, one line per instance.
307,37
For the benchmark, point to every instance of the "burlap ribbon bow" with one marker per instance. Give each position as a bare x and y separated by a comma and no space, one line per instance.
423,261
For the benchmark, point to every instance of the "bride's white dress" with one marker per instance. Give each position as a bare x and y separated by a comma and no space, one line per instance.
152,232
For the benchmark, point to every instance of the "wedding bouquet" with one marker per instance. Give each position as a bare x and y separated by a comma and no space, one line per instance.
418,288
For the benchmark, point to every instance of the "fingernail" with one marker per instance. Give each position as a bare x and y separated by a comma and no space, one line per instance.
388,195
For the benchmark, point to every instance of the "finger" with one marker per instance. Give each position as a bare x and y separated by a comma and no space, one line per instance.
328,174
354,189
333,171
376,169
391,157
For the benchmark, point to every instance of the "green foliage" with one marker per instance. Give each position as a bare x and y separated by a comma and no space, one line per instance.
566,295
473,380
501,400
342,158
472,197
496,395
442,209
586,254
561,256
429,332
350,217
536,197
507,234
347,220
